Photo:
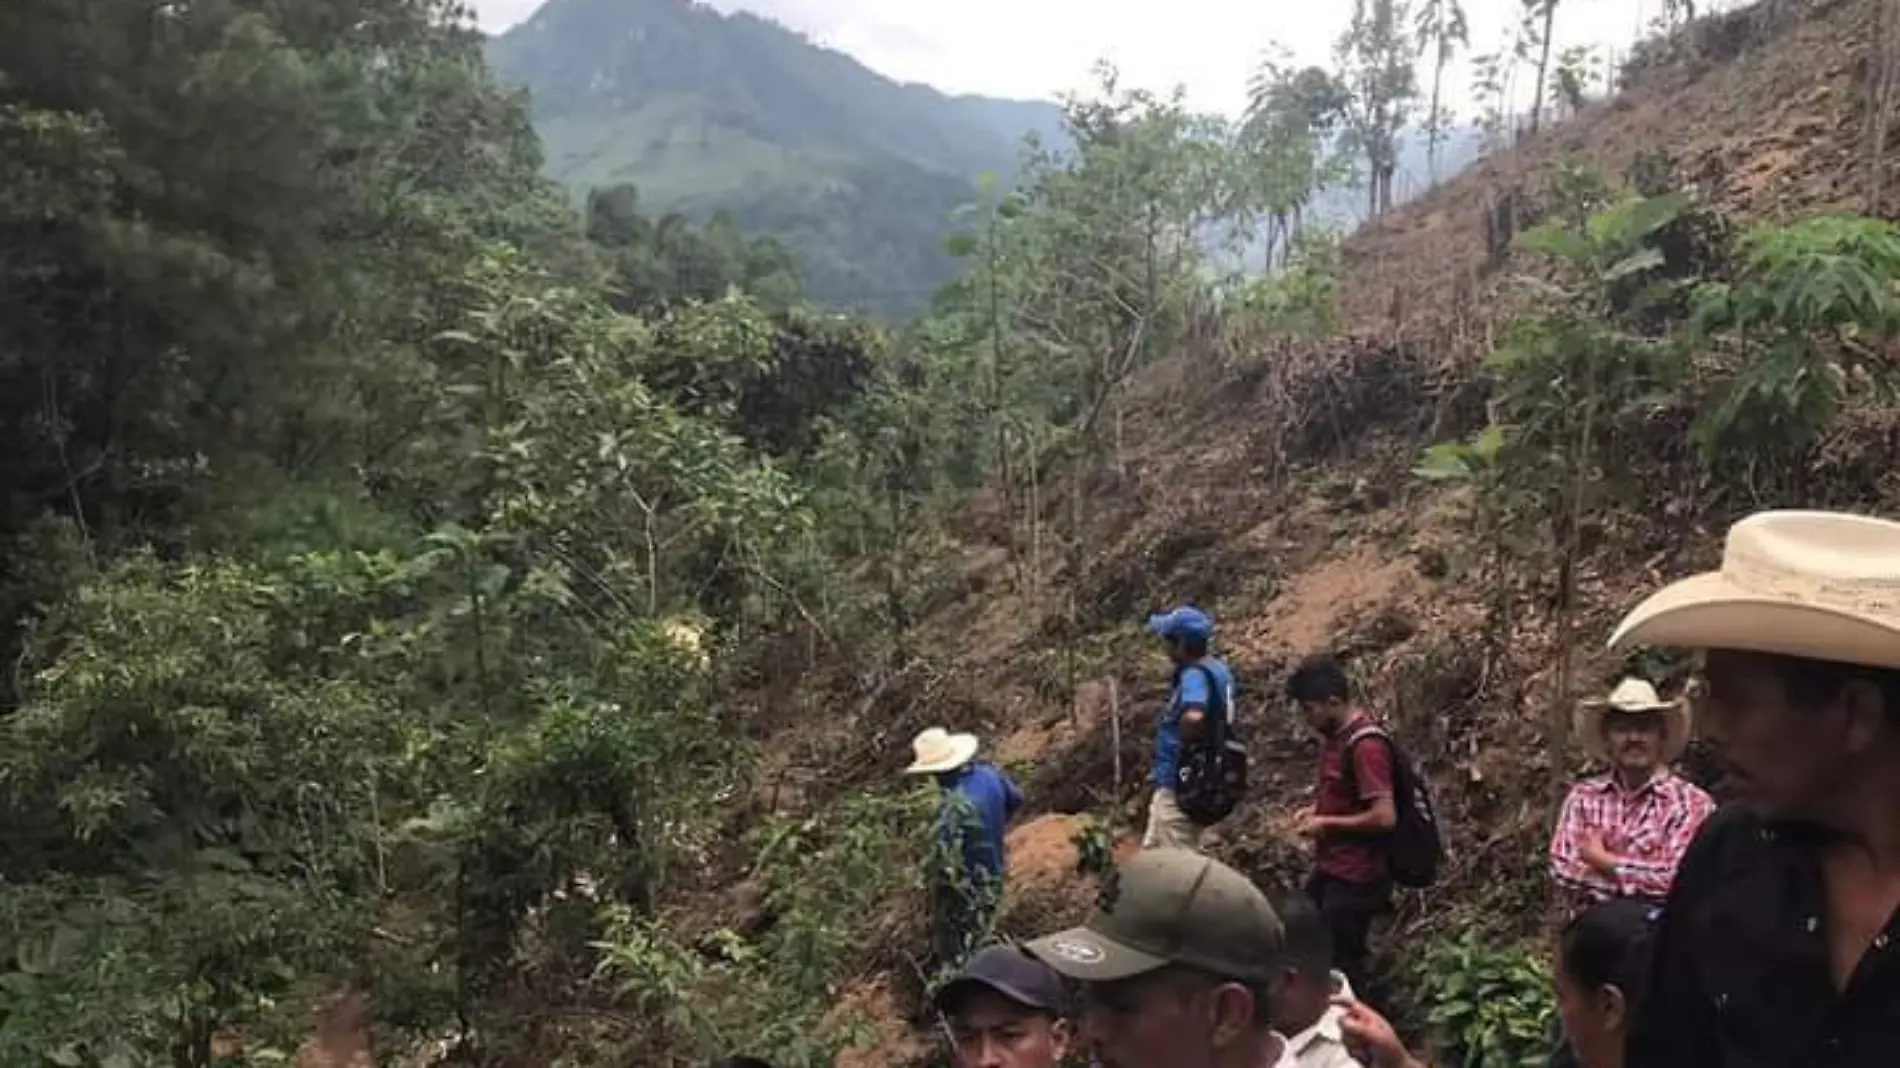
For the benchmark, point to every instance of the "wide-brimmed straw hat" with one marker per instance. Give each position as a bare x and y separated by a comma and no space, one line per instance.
1818,585
935,750
1633,695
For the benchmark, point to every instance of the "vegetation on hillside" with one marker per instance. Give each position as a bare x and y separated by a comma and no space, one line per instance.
707,113
710,112
413,586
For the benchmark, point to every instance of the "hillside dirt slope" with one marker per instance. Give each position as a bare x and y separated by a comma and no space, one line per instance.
1760,109
1274,487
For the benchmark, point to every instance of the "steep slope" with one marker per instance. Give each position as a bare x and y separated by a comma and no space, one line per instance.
1762,116
706,111
1273,484
1280,492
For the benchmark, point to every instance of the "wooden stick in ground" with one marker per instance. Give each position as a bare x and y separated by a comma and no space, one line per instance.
1115,739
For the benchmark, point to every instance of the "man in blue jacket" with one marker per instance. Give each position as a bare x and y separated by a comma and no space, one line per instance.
967,874
1201,682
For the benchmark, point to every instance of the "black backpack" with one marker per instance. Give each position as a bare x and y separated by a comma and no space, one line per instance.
1212,774
1414,848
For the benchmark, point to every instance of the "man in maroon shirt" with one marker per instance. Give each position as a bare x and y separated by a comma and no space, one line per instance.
1352,814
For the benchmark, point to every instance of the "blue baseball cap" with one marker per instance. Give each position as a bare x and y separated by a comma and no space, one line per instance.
1186,621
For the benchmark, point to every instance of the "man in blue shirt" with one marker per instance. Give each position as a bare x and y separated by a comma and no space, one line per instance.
1187,631
967,871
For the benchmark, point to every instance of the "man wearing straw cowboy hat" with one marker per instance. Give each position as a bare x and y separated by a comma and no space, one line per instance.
1779,945
967,873
1622,833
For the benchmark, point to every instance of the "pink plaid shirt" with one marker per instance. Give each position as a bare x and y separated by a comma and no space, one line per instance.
1647,829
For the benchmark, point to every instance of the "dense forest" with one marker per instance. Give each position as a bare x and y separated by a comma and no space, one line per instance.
404,573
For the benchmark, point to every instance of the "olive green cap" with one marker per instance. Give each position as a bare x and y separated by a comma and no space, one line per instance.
1171,906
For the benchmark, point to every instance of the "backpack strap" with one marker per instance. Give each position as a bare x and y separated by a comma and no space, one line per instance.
1370,730
1219,712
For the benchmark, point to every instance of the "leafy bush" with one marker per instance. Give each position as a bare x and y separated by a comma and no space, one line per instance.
1295,301
827,887
1492,1006
193,819
1094,847
1804,328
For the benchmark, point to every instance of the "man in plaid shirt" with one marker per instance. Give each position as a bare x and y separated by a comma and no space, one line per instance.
1622,833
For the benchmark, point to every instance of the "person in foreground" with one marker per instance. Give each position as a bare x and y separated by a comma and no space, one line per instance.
1779,945
1175,966
1309,996
1622,833
1602,966
1004,1010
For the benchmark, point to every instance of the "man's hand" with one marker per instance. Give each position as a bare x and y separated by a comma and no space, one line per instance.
1193,723
1310,824
1596,853
1370,1039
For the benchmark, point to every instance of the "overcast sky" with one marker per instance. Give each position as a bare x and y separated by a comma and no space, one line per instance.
1038,48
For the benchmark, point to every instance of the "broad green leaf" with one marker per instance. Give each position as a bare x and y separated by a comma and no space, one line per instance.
1552,239
1444,461
1489,442
1644,260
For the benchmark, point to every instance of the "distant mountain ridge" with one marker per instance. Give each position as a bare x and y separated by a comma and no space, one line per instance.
705,111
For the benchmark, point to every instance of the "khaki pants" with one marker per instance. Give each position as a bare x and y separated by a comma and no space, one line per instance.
1168,828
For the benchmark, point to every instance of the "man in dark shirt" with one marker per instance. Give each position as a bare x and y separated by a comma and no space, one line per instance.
1353,813
1779,944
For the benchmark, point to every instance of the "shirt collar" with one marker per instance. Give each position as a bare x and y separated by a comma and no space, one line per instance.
1607,783
1288,1054
1326,1029
1355,719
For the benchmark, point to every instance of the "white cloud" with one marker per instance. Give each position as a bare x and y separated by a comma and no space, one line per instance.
1038,48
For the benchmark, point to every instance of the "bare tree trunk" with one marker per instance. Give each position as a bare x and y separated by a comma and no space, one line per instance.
1121,461
1883,81
1567,608
1433,134
1543,62
1035,528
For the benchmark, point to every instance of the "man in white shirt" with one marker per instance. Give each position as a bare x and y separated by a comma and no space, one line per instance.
1304,993
1176,966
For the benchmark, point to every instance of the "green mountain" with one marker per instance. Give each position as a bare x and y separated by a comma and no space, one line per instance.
705,112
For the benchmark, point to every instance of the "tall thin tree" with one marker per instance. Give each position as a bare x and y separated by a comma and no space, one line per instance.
1376,61
1535,10
1442,28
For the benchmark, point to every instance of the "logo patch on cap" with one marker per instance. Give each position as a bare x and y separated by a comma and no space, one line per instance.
1076,950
